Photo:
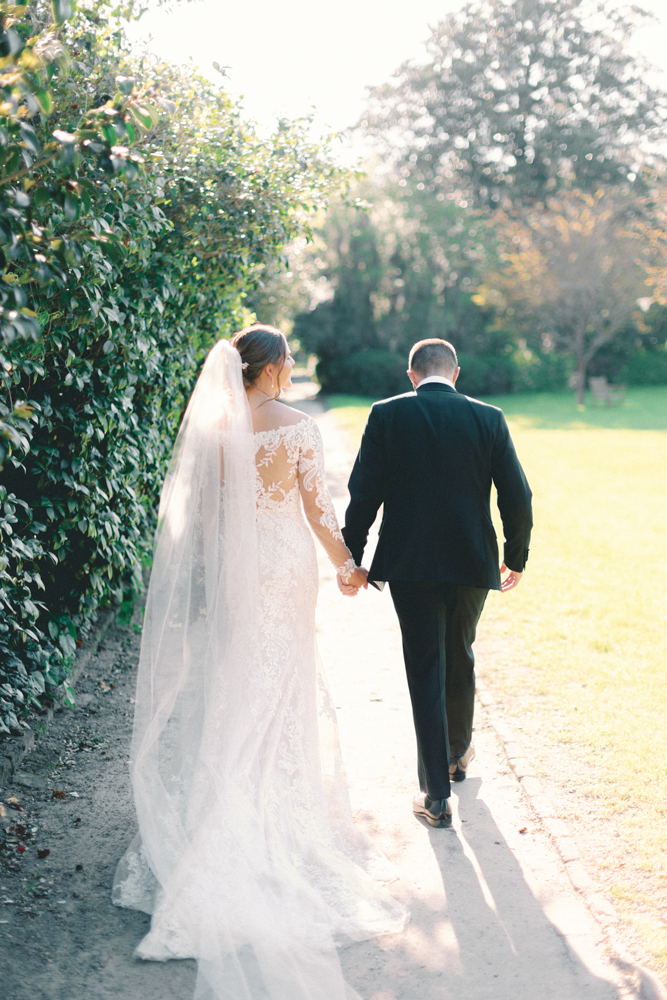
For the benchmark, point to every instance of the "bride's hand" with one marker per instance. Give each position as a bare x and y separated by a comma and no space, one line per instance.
351,585
345,588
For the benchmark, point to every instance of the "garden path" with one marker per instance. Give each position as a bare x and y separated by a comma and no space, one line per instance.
494,914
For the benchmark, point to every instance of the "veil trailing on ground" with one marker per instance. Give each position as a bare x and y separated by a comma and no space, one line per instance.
231,878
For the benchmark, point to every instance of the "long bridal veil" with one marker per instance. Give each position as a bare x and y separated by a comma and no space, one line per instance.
230,869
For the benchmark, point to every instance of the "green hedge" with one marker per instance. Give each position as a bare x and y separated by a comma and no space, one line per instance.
373,373
481,375
645,368
377,374
130,239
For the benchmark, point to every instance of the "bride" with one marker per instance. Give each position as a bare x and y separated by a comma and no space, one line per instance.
246,856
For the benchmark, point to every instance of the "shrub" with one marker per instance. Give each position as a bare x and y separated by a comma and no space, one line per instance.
533,372
377,373
374,373
131,236
485,375
645,368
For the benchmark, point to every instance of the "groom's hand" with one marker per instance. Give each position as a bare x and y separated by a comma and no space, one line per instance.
513,579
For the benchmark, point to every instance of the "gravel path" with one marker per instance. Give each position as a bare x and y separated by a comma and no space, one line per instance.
494,913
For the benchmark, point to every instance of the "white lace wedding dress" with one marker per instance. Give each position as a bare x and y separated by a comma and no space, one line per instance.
246,854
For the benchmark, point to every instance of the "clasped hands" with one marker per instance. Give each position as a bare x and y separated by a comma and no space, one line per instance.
355,582
359,579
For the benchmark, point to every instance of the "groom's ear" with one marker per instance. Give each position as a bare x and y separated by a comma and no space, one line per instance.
456,375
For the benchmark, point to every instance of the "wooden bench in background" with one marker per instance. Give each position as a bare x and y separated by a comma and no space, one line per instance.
603,392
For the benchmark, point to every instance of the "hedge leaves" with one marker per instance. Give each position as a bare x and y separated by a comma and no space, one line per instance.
137,211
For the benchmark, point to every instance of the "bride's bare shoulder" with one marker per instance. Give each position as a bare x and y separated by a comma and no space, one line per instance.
273,415
287,415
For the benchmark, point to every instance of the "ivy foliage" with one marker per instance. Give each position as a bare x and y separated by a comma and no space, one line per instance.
137,211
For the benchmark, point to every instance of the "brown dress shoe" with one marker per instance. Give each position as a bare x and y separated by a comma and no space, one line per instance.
459,765
436,812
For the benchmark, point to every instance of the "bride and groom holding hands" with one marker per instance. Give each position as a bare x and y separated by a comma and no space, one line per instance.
247,856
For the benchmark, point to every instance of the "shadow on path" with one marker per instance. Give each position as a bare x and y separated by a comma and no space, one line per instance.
486,936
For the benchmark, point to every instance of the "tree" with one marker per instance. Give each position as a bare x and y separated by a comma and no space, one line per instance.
406,266
652,225
519,98
575,267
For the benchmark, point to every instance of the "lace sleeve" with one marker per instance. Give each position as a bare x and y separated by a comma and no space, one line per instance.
317,503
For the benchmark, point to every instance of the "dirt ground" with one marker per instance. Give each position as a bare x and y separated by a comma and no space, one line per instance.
494,913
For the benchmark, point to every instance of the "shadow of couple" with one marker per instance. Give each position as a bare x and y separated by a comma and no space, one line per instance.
488,935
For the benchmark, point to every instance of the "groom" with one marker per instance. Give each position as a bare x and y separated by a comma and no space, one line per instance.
430,457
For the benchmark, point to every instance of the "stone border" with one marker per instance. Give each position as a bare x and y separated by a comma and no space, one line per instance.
14,749
645,983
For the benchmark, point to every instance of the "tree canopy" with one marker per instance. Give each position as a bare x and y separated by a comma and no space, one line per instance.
518,98
575,269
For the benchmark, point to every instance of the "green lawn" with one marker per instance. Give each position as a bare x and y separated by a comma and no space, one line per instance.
591,614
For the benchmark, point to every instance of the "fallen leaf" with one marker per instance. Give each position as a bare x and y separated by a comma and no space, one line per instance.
57,793
20,848
105,687
44,853
14,803
524,829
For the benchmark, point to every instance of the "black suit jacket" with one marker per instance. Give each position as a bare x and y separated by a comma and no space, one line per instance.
430,457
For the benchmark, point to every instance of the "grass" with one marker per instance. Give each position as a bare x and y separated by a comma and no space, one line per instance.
644,410
590,615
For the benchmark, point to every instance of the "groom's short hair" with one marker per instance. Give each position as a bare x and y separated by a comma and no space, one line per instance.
434,355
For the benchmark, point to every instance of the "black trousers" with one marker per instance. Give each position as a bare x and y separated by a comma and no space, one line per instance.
438,624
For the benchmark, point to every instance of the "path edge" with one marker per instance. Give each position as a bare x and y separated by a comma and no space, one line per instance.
14,751
642,981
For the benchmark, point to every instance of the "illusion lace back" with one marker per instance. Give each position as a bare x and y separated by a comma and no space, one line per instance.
246,855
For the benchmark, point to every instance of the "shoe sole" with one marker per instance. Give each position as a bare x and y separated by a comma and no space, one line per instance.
441,821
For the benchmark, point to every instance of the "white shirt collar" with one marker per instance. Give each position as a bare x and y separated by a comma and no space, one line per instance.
435,378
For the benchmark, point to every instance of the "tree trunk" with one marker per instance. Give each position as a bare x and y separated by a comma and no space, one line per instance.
581,380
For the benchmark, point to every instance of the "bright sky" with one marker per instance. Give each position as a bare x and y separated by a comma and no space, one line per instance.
287,56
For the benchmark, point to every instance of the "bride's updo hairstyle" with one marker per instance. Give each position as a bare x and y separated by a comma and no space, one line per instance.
259,346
